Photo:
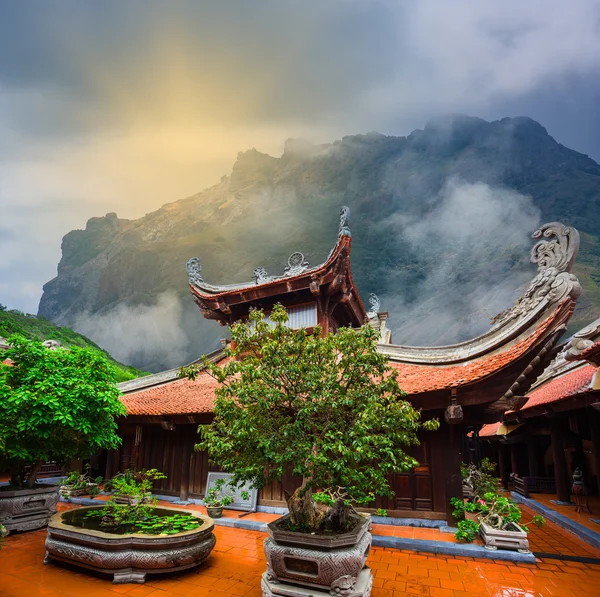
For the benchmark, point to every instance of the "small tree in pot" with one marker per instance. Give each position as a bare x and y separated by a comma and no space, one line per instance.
327,407
54,405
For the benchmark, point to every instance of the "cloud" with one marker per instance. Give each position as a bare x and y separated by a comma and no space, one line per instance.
125,106
150,334
464,243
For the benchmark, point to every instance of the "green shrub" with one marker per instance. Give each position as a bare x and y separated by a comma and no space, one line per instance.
467,529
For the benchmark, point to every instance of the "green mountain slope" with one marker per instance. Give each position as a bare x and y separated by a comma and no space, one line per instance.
30,326
440,222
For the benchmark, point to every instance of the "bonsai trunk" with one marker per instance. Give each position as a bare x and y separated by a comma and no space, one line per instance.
305,512
16,474
35,469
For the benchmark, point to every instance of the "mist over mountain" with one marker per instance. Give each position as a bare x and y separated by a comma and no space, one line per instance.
441,223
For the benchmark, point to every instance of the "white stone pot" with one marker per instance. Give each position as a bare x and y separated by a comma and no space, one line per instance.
514,538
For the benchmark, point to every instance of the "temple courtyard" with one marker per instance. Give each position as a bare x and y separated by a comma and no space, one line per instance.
237,562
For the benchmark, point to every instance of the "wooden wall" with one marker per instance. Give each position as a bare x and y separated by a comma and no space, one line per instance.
420,493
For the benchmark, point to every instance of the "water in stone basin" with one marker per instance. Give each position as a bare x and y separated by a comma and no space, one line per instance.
77,518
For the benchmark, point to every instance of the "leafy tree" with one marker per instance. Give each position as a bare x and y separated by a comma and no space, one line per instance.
54,405
328,407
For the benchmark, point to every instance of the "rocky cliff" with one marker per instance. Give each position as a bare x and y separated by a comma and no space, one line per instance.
440,222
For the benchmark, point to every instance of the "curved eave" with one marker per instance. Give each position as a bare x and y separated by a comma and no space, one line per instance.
427,376
496,338
210,292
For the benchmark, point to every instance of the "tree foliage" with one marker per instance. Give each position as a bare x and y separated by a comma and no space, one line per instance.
55,405
327,407
33,327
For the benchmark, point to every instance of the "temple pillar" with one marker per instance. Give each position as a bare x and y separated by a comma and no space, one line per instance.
557,434
594,421
112,464
502,465
452,460
532,458
186,456
514,459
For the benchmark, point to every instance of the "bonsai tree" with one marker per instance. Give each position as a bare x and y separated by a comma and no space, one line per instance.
493,509
54,405
327,407
77,481
139,514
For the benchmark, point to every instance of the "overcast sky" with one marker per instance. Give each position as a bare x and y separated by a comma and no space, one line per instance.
126,105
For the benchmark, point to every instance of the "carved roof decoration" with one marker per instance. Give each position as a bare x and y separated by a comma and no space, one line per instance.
375,306
223,302
296,264
554,254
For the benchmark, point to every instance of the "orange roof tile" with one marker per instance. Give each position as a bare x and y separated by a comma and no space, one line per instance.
574,382
183,396
489,430
592,350
416,379
179,397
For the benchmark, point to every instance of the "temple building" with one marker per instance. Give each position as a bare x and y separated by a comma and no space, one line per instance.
557,430
466,385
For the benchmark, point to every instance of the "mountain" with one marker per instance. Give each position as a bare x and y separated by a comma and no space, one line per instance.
441,223
30,326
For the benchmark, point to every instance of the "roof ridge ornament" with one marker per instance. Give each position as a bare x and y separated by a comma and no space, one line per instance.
344,227
554,254
375,305
582,340
261,276
296,264
194,270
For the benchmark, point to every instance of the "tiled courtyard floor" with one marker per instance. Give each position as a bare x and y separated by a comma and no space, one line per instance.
584,518
237,562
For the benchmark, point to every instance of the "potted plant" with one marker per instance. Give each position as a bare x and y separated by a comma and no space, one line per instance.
497,519
130,540
126,486
501,526
3,533
55,405
330,410
216,499
78,483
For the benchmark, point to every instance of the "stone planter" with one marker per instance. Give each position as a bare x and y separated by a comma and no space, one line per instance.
28,509
127,557
514,537
68,492
214,511
127,499
310,564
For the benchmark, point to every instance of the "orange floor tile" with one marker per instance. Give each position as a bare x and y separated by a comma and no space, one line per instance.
551,538
237,562
583,518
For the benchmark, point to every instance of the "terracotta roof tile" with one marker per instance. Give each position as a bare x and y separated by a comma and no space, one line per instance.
576,381
416,379
592,350
489,430
179,397
186,397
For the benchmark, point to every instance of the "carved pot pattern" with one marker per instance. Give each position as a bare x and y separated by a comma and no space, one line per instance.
129,557
27,509
335,570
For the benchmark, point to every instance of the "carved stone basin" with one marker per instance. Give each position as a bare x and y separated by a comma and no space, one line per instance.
27,509
325,564
515,538
128,557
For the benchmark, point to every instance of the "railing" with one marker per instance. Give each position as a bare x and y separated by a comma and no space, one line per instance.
49,469
527,485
